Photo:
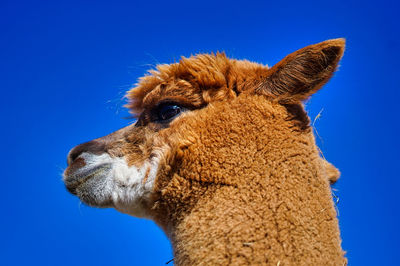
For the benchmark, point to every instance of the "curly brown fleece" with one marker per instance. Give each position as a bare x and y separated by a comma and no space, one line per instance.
244,183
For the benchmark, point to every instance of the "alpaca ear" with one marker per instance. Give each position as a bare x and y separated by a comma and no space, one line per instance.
303,72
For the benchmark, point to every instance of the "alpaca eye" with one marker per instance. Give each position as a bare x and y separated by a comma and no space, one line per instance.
168,111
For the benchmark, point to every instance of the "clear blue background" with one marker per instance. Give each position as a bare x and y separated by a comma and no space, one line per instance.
65,66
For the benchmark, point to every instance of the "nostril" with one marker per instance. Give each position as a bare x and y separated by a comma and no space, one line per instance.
94,146
73,154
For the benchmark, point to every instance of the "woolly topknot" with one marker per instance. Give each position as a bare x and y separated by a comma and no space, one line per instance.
197,74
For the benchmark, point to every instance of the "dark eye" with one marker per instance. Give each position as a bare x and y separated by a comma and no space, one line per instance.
168,111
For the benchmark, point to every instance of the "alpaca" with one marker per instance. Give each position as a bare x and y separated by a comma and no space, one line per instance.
223,158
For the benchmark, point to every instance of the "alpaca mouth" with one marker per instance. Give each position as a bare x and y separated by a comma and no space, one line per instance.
81,176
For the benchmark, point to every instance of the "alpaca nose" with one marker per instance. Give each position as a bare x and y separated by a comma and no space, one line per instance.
99,145
92,146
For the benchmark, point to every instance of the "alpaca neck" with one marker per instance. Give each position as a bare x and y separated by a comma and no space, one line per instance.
280,219
250,193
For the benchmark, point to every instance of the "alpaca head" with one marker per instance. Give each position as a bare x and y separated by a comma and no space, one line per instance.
201,122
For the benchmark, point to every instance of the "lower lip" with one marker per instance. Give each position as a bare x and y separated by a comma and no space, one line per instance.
81,177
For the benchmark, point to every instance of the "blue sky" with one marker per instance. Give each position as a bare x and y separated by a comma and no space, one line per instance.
65,65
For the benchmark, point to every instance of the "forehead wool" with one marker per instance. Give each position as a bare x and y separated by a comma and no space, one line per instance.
192,77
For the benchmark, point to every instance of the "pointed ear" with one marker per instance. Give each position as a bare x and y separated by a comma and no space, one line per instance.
303,72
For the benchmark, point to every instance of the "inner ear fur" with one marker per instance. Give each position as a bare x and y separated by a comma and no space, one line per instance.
303,72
